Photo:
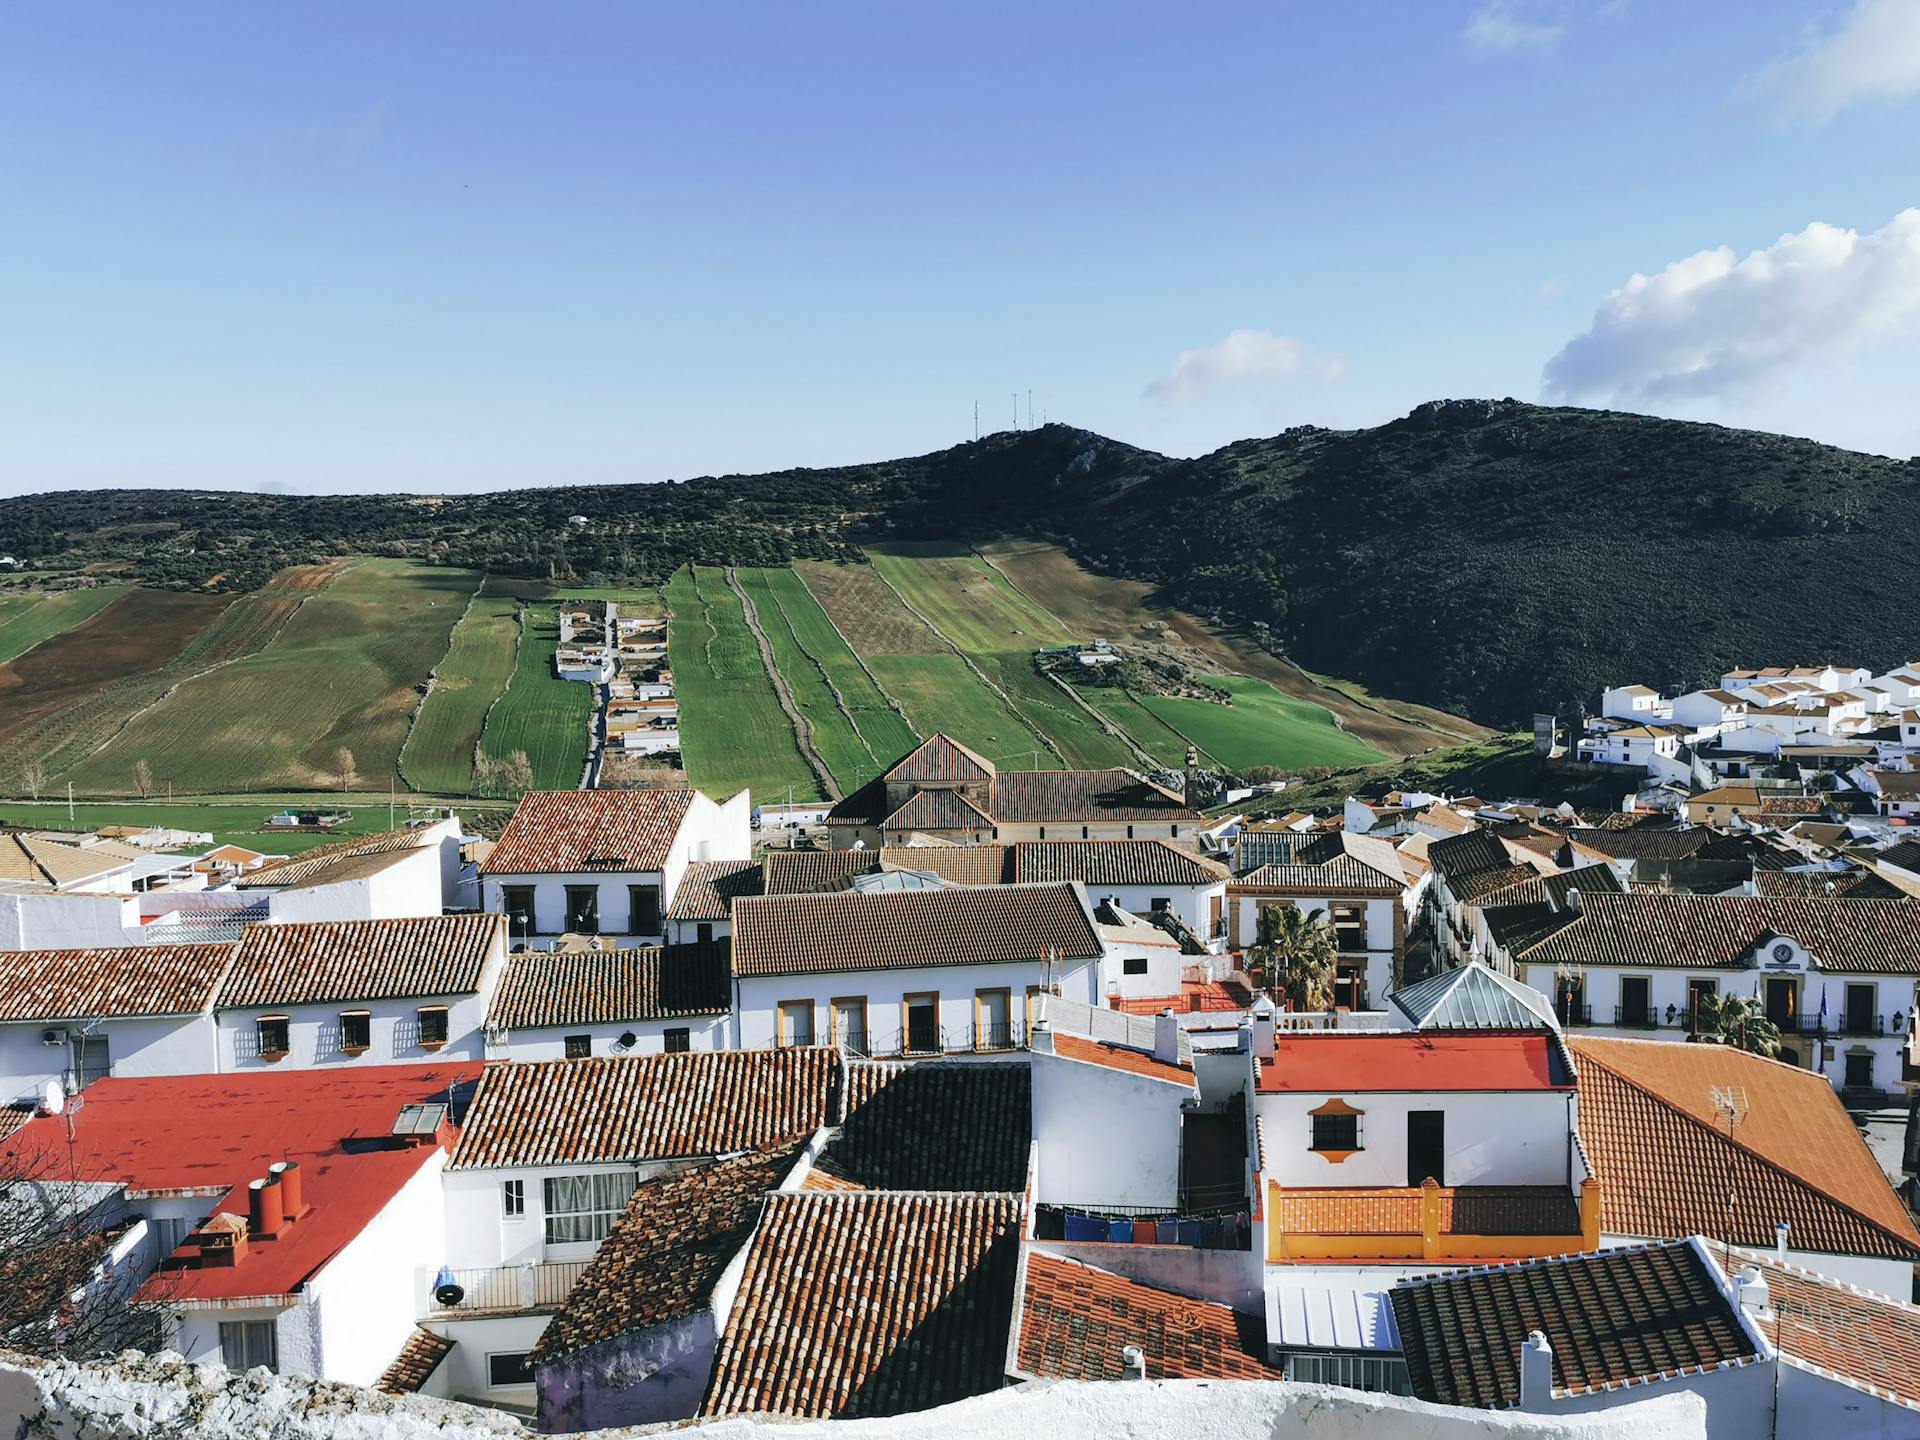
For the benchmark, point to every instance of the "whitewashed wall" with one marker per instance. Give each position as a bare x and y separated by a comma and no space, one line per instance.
1491,1139
549,1042
175,1045
313,1034
1105,1136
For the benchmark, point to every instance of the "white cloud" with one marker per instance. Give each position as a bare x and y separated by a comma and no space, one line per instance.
1503,25
1551,288
1244,355
1873,55
1715,325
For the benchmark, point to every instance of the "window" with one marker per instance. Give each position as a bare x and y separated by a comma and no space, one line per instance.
1700,994
1043,832
1174,831
578,1047
1859,1070
247,1343
703,932
1860,1017
1129,832
1083,832
508,1369
795,1022
581,1209
679,1040
433,1024
1160,904
1134,965
1336,1132
356,1030
513,1199
922,1023
271,1032
517,902
583,909
993,1019
643,910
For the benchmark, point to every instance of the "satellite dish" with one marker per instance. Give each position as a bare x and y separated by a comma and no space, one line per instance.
53,1098
447,1291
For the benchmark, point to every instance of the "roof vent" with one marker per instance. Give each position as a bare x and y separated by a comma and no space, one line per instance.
1133,1362
419,1123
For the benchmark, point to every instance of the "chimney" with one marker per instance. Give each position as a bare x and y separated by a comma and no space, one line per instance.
1780,1242
1133,1363
1536,1372
1192,795
265,1215
1573,899
1750,1291
1263,1028
1166,1037
1040,1038
292,1187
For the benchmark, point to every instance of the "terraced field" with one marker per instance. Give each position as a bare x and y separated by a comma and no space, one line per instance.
341,672
540,713
27,620
1259,725
733,732
229,822
479,663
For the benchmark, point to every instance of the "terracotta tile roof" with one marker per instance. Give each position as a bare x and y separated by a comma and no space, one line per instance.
1611,1317
1812,884
1865,1339
1490,882
956,864
820,934
415,1363
126,980
661,1261
1209,996
1119,1057
1027,797
869,1304
716,1102
1462,855
1532,888
1334,863
555,832
1698,932
1113,862
939,760
595,987
812,872
1075,1320
324,864
1643,842
1395,1210
937,810
1652,1129
333,960
28,863
708,888
934,1126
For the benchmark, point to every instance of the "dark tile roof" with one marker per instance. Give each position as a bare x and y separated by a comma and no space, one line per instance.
717,1102
1855,884
934,1126
113,983
937,810
1698,932
556,832
1462,855
1611,1317
1489,882
1027,797
1653,1132
415,1363
956,864
1904,856
1113,862
1534,888
662,1260
1075,1320
708,888
339,960
813,872
939,760
869,1304
819,934
594,987
1643,842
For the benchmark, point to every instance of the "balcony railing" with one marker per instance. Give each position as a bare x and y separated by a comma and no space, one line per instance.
1636,1017
909,1044
506,1289
1569,1013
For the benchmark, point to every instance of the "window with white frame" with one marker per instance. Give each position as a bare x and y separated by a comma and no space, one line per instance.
247,1343
508,1368
513,1198
582,1209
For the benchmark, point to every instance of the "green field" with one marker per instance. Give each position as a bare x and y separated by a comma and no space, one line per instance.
230,822
342,672
638,602
1261,727
1122,707
26,620
438,756
733,732
834,737
540,713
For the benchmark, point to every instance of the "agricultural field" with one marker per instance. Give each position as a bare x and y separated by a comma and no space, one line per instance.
231,822
470,678
637,602
733,732
27,620
343,671
540,713
1258,726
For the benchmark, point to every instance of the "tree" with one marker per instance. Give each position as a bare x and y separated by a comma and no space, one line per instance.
516,773
345,770
486,775
1739,1021
143,779
1297,951
34,773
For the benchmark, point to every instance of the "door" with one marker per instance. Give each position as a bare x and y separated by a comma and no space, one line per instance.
850,1024
1426,1146
923,1023
1783,1007
1699,994
1214,928
993,1027
1635,1011
1860,1016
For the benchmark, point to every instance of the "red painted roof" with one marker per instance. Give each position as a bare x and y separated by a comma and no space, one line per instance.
214,1133
1316,1064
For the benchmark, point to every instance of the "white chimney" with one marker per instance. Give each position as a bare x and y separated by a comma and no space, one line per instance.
1573,899
1166,1037
1133,1362
1040,1037
1750,1290
1780,1241
1263,1028
1536,1372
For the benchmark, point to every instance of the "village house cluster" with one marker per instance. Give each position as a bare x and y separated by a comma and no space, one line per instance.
620,1118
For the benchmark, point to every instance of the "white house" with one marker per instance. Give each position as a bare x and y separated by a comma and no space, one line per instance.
1638,703
606,862
1708,712
356,994
569,1004
909,972
1356,883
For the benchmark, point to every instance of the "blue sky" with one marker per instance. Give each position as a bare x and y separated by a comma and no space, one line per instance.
443,246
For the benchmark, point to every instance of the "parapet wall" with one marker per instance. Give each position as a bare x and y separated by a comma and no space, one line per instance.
136,1397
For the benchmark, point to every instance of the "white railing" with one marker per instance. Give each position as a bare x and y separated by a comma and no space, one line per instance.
1306,1020
496,1288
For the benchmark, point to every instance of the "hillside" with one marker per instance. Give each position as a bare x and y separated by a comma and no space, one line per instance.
1483,557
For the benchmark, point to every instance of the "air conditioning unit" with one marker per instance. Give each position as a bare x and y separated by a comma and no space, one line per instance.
53,1037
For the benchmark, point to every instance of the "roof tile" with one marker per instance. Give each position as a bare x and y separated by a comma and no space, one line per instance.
555,832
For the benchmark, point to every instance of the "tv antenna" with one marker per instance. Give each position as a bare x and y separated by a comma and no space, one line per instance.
1016,409
1729,1108
976,419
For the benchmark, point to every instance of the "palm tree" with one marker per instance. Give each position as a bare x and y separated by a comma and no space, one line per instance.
1739,1021
1297,951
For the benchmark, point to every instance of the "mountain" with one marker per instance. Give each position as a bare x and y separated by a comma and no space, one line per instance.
1486,557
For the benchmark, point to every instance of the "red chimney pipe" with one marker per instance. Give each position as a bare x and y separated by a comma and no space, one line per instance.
265,1214
292,1187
